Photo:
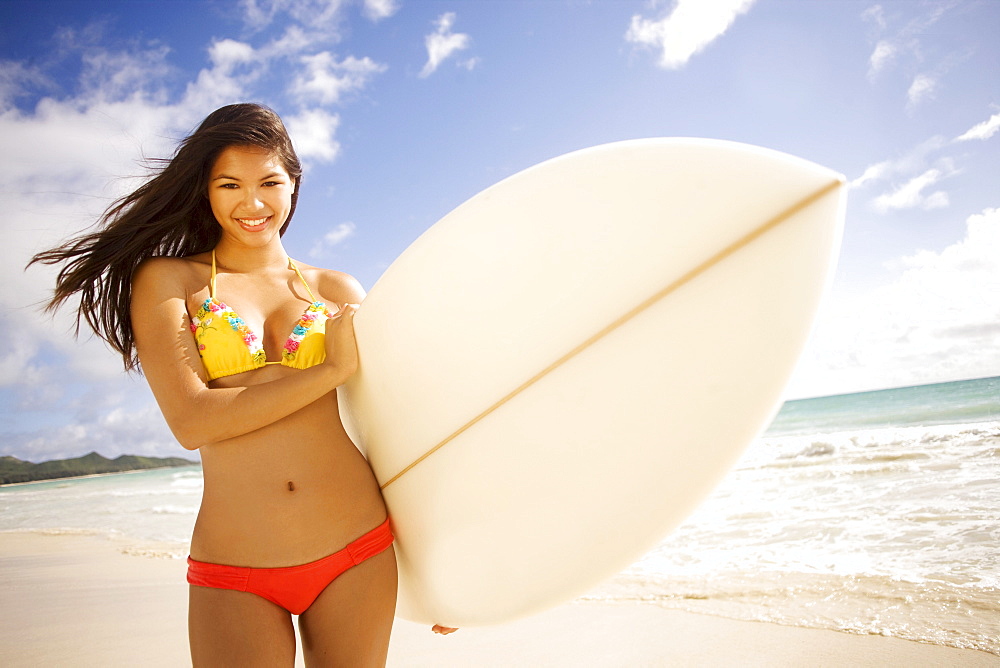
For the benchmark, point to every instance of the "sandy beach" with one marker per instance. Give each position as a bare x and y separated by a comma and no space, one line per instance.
79,600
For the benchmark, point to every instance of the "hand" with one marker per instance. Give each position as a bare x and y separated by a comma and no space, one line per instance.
443,630
341,346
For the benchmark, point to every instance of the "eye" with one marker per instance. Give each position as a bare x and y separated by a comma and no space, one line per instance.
229,186
271,184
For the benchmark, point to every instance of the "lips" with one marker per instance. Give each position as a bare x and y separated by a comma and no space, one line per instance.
253,223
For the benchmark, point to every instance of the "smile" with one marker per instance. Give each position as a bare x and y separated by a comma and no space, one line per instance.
253,222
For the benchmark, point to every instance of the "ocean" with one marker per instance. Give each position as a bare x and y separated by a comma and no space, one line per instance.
871,513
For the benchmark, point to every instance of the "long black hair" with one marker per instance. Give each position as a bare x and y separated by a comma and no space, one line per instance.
169,215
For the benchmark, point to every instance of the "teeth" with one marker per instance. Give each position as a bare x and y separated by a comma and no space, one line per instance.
253,222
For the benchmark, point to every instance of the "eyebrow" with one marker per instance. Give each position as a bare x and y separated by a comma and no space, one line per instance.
233,178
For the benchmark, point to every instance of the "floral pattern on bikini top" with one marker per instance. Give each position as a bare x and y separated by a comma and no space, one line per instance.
228,346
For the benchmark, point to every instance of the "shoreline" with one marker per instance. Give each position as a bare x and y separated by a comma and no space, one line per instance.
84,600
97,475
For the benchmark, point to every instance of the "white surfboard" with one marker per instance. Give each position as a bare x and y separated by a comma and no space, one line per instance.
559,371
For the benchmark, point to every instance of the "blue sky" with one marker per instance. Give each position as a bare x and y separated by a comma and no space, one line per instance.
402,110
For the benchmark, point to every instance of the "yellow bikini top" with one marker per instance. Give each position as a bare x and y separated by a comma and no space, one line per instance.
228,346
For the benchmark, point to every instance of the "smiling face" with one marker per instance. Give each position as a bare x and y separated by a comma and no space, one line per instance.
251,194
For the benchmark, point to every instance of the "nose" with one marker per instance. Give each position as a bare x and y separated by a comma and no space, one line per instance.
251,201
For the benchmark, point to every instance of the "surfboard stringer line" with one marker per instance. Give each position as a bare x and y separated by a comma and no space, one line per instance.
621,320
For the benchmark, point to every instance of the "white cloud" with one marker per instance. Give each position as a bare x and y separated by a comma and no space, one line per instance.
876,14
982,131
18,78
235,66
687,30
911,194
331,239
937,320
226,54
875,172
907,182
913,161
123,425
312,132
324,79
442,43
923,87
315,12
885,50
259,14
116,75
882,55
292,42
376,10
903,47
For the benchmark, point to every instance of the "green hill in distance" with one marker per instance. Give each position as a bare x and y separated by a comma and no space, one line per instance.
14,470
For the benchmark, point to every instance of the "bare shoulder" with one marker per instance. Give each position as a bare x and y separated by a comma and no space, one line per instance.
170,274
335,286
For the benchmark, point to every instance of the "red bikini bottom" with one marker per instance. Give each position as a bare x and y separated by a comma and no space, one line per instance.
294,588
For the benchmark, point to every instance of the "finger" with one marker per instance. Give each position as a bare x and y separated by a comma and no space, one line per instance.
344,308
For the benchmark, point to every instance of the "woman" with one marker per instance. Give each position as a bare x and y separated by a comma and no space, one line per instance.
243,349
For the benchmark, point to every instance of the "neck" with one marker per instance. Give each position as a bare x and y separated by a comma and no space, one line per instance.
238,258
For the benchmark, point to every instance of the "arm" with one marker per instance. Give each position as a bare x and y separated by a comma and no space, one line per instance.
197,414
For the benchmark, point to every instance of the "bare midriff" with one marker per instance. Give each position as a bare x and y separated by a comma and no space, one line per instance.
287,494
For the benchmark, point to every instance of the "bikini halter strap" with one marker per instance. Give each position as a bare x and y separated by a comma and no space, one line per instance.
298,273
291,264
211,285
